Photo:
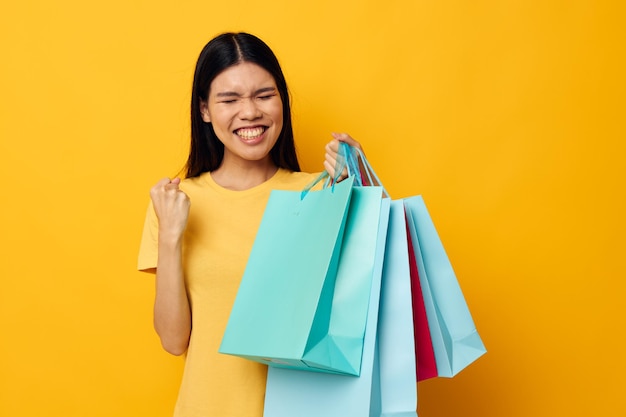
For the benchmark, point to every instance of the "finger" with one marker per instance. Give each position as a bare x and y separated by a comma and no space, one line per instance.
330,168
159,186
162,183
171,186
332,147
330,163
331,158
344,137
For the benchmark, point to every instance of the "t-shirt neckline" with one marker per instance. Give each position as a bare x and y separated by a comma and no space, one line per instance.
208,178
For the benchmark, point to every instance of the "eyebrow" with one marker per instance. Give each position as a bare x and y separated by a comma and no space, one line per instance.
234,94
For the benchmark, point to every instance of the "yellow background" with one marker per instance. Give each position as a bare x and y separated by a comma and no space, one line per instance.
507,116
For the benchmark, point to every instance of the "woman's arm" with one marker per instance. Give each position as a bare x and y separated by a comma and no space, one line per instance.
172,313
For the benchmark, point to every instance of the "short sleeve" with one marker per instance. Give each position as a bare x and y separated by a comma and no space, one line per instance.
148,248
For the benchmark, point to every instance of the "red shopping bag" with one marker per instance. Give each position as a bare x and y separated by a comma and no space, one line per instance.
425,355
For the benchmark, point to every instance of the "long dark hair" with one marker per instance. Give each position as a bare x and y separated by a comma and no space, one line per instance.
224,51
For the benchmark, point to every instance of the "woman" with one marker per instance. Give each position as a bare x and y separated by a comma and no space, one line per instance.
199,231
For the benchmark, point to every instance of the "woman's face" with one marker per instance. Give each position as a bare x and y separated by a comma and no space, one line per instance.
246,111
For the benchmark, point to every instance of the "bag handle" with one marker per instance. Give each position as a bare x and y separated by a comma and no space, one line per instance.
353,156
348,158
340,165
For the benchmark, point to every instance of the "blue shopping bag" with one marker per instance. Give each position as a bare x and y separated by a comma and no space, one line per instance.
292,393
343,339
282,312
387,385
396,382
455,340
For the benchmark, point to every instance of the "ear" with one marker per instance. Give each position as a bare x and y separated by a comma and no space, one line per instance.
204,111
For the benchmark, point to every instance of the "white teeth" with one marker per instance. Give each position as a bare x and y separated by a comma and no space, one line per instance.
249,133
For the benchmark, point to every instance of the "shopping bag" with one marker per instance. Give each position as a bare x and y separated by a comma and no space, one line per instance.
282,312
456,342
425,355
343,340
396,344
291,393
394,389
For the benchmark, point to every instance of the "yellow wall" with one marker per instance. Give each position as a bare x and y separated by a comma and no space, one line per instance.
506,115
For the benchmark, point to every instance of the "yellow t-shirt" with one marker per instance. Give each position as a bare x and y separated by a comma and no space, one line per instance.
220,232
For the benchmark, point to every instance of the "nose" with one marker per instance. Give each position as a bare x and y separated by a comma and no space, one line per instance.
249,109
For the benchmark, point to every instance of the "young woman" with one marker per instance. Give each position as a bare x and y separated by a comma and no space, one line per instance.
199,231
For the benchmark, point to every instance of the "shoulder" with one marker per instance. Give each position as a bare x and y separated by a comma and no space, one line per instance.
195,183
289,180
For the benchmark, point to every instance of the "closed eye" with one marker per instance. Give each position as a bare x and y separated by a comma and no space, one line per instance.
266,96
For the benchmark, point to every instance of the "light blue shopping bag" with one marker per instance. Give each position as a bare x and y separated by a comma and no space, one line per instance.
455,340
396,342
387,385
293,393
282,312
343,339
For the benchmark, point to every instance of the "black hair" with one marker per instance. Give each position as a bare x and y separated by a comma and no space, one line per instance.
207,151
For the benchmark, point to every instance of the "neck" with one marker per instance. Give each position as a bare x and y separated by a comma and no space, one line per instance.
243,176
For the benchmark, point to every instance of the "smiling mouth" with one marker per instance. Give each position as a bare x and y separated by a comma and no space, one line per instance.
249,133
